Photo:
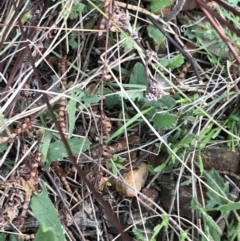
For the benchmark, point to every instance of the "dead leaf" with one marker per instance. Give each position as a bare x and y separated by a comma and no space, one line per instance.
136,179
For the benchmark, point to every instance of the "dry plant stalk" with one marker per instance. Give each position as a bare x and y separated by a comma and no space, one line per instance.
131,7
22,127
62,64
18,199
27,236
123,144
183,73
155,88
116,18
62,175
104,123
107,151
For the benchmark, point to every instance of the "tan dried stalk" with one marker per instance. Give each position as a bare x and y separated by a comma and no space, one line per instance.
62,64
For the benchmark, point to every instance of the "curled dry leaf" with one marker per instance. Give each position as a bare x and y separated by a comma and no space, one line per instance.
136,179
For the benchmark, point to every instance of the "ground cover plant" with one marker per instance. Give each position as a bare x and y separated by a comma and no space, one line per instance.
119,120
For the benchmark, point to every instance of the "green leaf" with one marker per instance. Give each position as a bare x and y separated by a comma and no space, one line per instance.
78,95
3,147
126,125
12,42
14,237
122,70
155,34
165,121
127,44
168,102
45,233
45,213
57,150
76,9
3,236
151,169
133,95
165,101
71,109
45,146
187,182
237,231
25,17
73,43
157,228
210,135
138,234
200,162
89,98
214,229
112,101
206,135
217,184
172,63
165,220
114,167
234,117
138,76
159,4
195,205
229,207
159,168
116,163
233,2
186,141
184,235
210,226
